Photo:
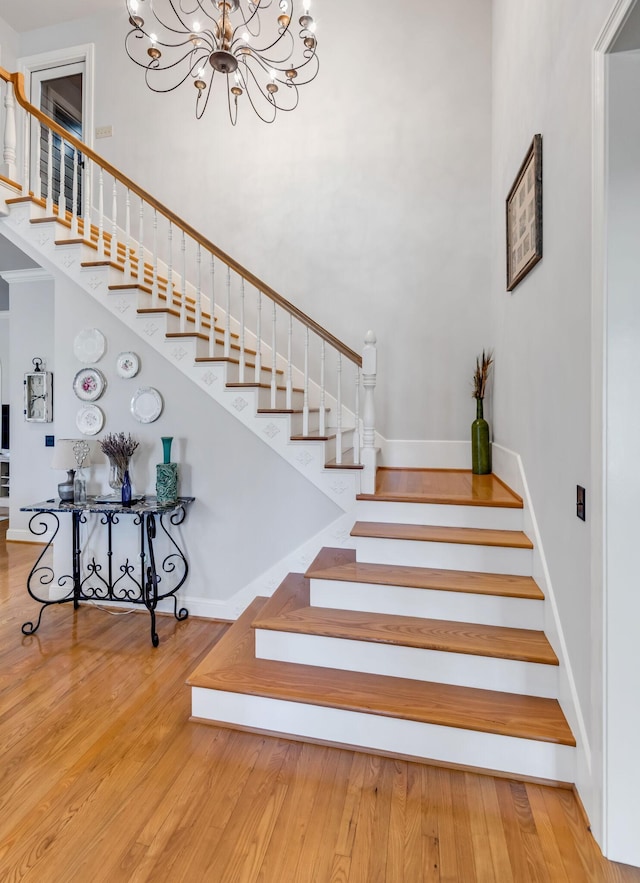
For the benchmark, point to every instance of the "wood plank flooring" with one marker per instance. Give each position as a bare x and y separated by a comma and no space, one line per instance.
104,779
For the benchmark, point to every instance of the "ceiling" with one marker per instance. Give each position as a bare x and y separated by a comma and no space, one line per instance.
24,15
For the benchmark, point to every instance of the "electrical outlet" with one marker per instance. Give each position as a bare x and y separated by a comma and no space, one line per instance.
104,131
49,441
581,503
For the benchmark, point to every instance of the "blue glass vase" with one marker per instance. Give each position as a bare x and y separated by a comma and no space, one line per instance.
126,489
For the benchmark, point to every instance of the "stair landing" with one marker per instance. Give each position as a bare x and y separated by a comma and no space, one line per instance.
446,486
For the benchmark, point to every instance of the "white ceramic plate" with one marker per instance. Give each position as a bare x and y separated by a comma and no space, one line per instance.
127,365
89,384
89,345
90,420
146,404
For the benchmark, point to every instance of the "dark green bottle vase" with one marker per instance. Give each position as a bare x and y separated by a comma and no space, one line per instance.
480,445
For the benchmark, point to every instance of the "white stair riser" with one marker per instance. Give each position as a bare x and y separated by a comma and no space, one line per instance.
524,757
436,514
522,613
484,672
314,422
264,397
448,556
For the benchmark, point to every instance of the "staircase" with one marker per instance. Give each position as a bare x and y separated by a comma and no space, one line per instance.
423,641
425,637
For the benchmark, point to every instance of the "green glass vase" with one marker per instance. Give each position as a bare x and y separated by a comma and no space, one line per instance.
480,445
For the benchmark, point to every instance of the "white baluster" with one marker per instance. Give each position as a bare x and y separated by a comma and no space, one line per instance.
242,323
10,137
127,237
100,213
154,284
87,183
170,266
369,454
183,294
289,392
199,290
74,196
274,376
258,370
140,273
49,173
227,321
62,196
212,309
323,399
339,414
305,401
356,431
113,250
26,154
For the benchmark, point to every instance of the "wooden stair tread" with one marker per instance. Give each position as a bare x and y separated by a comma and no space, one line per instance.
288,610
341,564
236,362
262,386
429,533
457,487
232,667
347,461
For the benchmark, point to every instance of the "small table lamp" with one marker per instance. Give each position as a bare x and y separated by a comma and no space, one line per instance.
71,454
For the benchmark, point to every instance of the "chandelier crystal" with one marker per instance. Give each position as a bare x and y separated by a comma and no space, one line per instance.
263,50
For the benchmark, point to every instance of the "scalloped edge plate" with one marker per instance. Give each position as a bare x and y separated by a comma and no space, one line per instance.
90,420
146,404
127,365
90,395
89,345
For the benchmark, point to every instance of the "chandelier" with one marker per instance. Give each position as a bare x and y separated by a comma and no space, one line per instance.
260,50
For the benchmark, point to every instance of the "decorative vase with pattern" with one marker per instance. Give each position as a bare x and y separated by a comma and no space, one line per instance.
166,475
480,444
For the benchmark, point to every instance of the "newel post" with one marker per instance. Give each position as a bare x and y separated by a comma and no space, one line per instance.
10,135
369,451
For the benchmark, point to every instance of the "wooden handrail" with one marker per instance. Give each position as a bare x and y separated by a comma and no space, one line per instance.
17,80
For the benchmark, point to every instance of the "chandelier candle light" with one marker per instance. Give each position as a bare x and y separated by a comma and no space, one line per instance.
263,50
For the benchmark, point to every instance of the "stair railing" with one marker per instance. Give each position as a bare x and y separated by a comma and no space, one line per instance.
214,297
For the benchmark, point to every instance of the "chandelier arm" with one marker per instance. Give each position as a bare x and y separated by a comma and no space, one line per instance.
275,43
149,69
267,96
192,12
206,100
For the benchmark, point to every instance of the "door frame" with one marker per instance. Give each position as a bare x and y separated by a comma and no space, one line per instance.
44,61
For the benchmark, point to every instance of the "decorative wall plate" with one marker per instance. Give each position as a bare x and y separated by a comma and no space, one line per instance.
89,345
127,365
146,404
90,420
89,384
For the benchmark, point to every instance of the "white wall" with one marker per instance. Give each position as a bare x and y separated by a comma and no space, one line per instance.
542,82
8,44
622,672
252,508
5,355
368,206
32,315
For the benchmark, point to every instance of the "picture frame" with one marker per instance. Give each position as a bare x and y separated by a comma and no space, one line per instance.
524,216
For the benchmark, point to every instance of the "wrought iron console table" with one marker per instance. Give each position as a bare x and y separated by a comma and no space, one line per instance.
128,582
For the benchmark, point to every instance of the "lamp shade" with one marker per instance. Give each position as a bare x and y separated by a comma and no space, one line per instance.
71,453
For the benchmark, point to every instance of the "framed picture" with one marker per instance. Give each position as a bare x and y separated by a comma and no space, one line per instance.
524,216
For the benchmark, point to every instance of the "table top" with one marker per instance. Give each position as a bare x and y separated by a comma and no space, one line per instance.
146,504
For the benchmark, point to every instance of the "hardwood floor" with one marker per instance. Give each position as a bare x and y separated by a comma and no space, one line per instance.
105,779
